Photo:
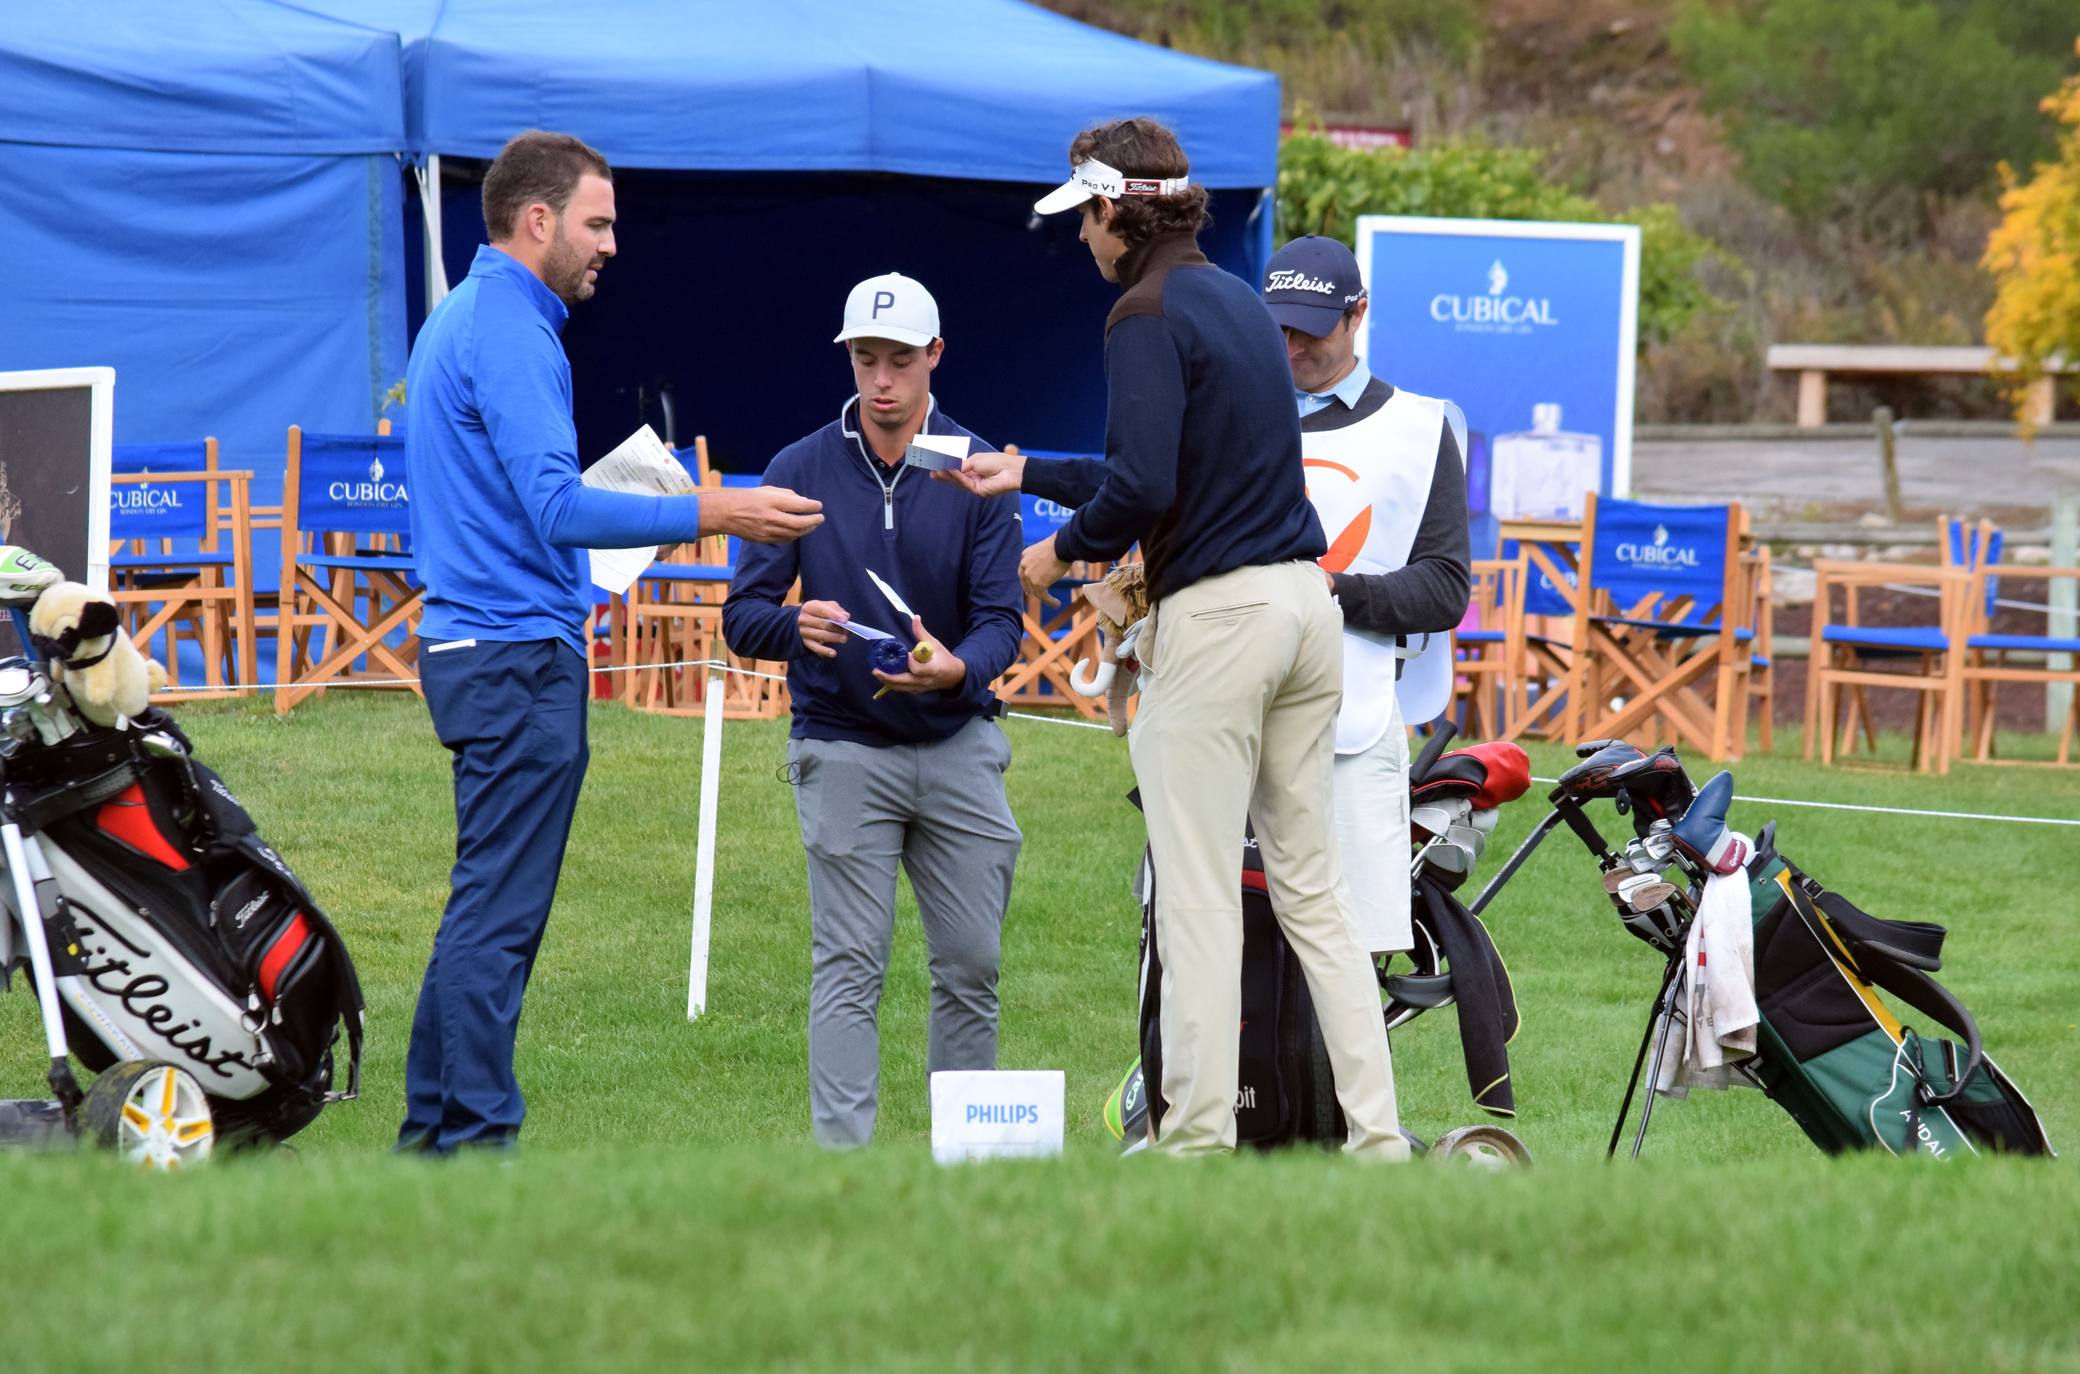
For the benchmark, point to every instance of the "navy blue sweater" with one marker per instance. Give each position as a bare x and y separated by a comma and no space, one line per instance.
1202,444
953,560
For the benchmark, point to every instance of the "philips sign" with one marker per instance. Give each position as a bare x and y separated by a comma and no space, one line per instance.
987,1114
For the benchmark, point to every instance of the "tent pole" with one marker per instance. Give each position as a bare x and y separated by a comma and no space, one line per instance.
430,206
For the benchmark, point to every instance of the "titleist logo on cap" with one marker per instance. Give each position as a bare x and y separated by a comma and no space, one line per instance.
1141,186
1289,280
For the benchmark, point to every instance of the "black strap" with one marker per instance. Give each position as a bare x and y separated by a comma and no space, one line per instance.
1918,944
96,620
1876,964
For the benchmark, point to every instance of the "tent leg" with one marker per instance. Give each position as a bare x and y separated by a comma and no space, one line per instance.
430,207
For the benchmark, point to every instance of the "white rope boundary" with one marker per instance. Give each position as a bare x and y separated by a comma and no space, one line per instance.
1894,810
720,666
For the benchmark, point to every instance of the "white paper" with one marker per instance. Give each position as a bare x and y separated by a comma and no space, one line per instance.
642,465
890,593
937,452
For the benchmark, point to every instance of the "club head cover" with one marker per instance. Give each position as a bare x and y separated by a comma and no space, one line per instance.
1657,784
1591,778
1702,834
1508,773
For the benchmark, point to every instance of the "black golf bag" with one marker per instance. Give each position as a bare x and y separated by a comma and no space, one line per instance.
1285,1089
175,932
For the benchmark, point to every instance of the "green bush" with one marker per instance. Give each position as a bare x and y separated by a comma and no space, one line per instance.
1323,188
1861,108
1234,31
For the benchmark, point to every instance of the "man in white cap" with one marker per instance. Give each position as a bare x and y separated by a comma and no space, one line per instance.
1242,652
892,768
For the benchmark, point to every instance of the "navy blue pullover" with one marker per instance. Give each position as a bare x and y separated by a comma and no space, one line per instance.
953,560
1202,445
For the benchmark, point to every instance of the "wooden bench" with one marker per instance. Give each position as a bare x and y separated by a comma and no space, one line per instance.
1814,362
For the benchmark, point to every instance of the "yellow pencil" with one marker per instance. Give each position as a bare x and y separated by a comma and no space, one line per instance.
922,653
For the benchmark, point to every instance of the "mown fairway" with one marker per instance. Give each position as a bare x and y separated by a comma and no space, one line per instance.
667,1211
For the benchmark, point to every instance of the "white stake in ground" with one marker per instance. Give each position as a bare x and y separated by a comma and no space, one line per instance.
704,857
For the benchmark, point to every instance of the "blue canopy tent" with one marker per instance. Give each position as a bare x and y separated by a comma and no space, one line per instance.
207,198
768,156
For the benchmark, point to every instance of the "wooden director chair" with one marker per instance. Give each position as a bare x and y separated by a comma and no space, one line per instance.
349,595
1668,590
1965,545
1055,636
1488,682
671,626
1544,700
2049,658
181,562
1849,657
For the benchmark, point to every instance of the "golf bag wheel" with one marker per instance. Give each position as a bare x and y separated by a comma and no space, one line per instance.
1483,1147
151,1113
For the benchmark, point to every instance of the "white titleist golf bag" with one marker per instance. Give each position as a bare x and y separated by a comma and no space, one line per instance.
170,949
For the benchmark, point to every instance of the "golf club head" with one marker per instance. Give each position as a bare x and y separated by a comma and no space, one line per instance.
1592,778
1645,896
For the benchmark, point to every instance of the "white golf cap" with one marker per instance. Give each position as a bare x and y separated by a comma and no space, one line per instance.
1094,178
891,307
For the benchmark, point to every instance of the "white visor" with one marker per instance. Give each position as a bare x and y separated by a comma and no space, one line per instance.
1093,178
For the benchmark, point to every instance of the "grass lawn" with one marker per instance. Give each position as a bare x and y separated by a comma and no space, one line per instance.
667,1211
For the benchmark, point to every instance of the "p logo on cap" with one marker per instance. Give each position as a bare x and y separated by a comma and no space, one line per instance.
893,307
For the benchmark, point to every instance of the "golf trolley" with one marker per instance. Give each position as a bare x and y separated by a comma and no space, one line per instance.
169,949
1286,1087
1828,1049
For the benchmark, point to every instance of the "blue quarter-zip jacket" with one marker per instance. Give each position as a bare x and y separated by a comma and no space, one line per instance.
952,558
500,521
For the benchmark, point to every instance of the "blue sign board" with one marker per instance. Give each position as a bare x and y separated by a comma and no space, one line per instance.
1529,327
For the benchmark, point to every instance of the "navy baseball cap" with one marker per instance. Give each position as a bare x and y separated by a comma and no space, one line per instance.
1310,283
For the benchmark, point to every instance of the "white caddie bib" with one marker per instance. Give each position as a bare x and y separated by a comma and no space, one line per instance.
1369,481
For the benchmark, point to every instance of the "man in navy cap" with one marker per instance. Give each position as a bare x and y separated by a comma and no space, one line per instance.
1385,474
892,768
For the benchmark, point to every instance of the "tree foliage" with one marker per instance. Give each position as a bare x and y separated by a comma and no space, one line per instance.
1233,30
2034,255
1323,188
1860,108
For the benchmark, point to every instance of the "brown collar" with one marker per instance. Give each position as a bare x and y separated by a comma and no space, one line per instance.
1164,250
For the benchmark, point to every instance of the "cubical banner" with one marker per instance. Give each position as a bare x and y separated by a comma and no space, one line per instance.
1529,327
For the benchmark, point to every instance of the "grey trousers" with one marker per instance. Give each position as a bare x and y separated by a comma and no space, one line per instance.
939,810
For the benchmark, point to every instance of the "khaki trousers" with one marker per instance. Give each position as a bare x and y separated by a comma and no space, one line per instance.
1238,722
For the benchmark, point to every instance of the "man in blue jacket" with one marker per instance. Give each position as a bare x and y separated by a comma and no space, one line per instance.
500,523
891,768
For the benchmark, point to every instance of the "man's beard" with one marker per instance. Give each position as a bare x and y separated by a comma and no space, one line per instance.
564,269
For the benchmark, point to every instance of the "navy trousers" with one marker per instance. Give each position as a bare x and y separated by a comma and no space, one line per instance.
513,716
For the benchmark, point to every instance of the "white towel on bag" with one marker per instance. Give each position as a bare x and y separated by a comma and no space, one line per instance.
1716,1014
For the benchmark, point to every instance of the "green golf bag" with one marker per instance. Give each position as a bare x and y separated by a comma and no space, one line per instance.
1833,1055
